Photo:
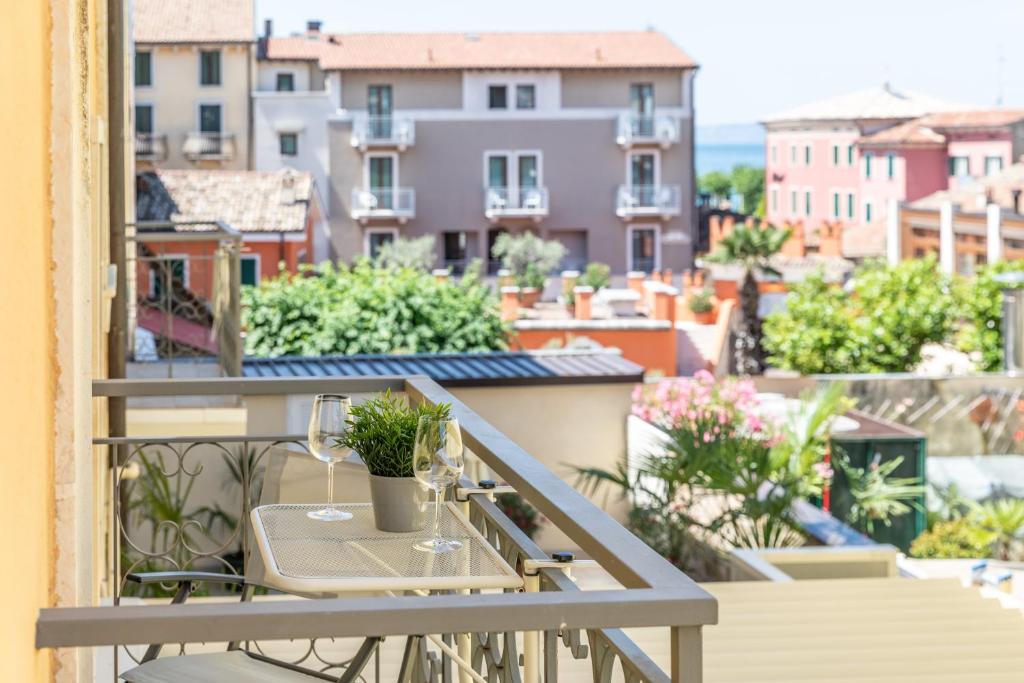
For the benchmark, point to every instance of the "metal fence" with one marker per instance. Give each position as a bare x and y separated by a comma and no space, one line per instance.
152,480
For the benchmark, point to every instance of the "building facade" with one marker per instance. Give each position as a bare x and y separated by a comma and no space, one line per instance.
193,72
583,138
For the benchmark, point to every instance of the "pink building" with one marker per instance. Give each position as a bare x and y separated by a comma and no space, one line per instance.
843,159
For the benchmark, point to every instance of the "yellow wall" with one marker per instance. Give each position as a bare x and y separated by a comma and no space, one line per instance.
27,347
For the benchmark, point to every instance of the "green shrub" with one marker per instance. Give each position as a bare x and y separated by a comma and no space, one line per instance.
955,539
880,325
700,302
528,257
383,430
407,253
983,315
368,309
596,275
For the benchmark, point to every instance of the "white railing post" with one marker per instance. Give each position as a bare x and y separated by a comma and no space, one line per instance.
687,655
994,232
947,239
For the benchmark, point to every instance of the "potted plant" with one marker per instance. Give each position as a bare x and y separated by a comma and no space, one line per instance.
529,259
702,307
382,431
531,286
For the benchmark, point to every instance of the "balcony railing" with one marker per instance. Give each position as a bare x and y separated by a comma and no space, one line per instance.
653,129
150,146
383,203
383,131
154,526
638,201
216,146
519,202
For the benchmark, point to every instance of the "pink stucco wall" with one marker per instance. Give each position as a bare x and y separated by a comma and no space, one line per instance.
977,146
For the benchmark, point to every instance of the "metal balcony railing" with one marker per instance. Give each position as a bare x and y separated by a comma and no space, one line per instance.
383,203
516,202
201,145
150,146
634,201
552,617
637,129
383,131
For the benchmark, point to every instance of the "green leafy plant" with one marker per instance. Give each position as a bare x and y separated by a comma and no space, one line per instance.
715,183
596,275
751,247
382,431
404,252
1001,523
879,323
878,497
748,181
953,539
528,257
367,309
700,302
982,308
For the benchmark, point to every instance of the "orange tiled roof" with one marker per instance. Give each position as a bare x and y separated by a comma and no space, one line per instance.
998,189
249,201
365,51
193,21
989,118
907,133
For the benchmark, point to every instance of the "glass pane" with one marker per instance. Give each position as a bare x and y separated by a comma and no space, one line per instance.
143,118
143,68
497,97
377,240
209,68
250,275
528,171
643,250
164,270
289,144
285,82
379,100
209,118
497,171
641,98
525,97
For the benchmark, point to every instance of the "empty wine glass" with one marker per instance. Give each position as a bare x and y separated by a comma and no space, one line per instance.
437,462
328,425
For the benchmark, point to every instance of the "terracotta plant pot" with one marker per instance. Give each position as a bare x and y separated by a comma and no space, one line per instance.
399,503
528,297
705,318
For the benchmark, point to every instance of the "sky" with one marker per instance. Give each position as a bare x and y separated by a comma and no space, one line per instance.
756,56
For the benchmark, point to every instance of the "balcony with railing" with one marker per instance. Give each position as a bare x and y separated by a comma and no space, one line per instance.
201,146
150,146
647,129
180,520
502,203
648,201
383,131
383,203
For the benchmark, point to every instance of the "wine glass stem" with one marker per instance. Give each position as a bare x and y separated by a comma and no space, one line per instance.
330,484
438,501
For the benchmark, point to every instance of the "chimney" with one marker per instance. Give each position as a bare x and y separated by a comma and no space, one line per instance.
268,28
509,303
583,296
313,27
830,239
288,187
1016,201
794,246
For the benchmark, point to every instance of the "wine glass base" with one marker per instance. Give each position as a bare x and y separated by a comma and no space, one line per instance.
329,515
438,545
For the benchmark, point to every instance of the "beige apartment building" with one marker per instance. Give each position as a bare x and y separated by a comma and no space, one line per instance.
586,138
193,72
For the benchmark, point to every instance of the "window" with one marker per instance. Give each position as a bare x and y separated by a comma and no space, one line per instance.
849,155
143,69
526,97
835,155
497,97
775,154
959,167
792,154
867,165
381,178
285,82
644,248
289,144
250,270
792,202
375,238
775,199
868,210
209,67
166,270
807,203
807,155
455,251
144,118
514,176
890,166
993,165
209,118
851,206
836,208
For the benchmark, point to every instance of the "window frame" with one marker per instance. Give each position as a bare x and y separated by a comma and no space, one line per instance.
867,156
169,257
284,74
836,155
869,207
252,256
953,164
280,143
152,118
993,157
851,205
493,88
220,68
635,227
807,154
890,166
526,87
851,157
149,68
808,203
377,230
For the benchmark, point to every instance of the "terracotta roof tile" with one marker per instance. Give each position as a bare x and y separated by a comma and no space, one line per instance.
908,133
193,21
883,102
989,118
249,201
365,51
997,189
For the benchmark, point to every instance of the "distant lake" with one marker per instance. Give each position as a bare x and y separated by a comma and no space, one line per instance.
720,157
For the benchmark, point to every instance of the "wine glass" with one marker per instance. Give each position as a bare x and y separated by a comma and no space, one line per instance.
328,424
437,462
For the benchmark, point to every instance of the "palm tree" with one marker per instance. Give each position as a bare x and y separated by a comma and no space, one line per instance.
751,247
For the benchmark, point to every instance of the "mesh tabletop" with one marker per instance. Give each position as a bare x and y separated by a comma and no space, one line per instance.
305,555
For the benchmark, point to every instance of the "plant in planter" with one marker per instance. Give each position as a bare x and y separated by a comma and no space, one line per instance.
529,259
596,275
701,306
382,431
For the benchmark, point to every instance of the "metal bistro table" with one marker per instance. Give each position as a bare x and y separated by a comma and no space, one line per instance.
309,557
